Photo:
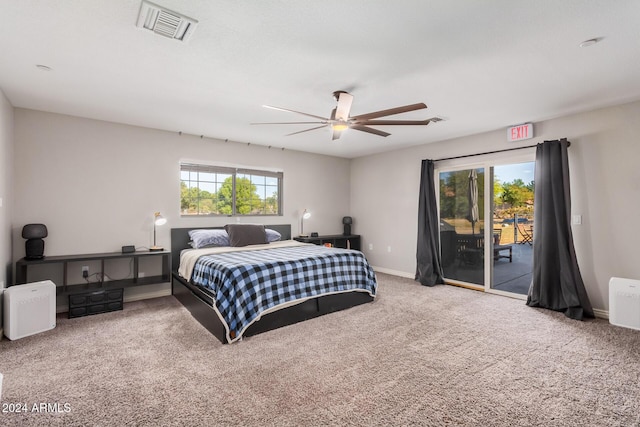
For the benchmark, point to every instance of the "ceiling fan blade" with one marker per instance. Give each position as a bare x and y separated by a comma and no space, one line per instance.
297,112
344,106
393,122
306,130
369,130
390,112
286,123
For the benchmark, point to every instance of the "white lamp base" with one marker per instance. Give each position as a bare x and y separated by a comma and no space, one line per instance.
156,249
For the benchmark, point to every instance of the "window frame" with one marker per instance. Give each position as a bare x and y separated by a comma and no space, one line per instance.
234,172
487,163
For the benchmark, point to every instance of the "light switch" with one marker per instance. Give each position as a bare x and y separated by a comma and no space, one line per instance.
576,219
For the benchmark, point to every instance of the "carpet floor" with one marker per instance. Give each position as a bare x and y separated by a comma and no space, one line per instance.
441,356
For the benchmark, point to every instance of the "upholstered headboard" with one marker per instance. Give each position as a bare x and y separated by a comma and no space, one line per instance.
180,239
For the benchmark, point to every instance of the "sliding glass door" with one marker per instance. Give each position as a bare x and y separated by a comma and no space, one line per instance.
486,226
462,225
513,186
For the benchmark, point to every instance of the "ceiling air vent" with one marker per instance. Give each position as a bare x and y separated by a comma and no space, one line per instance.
165,22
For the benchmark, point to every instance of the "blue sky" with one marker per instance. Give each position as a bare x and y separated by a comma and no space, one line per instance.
507,173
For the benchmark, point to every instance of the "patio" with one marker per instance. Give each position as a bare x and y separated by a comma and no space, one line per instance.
508,276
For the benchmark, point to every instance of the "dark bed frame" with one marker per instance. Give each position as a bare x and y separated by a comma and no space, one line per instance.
199,303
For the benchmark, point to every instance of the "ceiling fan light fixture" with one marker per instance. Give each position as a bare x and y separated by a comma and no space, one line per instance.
336,94
341,119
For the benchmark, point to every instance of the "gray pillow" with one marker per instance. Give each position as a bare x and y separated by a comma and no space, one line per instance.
202,238
246,234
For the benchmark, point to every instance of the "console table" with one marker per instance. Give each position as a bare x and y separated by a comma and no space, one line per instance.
24,266
351,241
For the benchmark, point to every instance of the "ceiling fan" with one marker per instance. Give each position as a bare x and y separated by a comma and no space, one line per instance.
340,120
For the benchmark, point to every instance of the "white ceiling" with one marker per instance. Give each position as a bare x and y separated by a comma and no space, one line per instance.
483,65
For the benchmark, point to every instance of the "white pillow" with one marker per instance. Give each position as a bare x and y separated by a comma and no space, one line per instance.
202,238
272,235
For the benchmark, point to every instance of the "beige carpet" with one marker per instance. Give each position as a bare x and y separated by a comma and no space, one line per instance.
416,356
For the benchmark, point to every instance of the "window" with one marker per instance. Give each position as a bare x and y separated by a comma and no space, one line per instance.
217,190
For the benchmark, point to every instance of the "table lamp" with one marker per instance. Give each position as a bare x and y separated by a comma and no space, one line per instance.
305,215
157,220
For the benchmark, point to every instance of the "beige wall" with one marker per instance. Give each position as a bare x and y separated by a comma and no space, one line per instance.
6,188
96,184
605,185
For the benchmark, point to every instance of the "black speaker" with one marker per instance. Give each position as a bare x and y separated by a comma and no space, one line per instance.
34,231
34,246
347,221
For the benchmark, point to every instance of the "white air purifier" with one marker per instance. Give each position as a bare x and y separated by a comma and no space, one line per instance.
624,302
29,309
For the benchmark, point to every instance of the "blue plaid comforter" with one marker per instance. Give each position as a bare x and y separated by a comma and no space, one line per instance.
247,283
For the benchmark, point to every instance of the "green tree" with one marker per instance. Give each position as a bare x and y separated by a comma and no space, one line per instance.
497,192
193,200
271,203
454,194
516,193
188,198
247,198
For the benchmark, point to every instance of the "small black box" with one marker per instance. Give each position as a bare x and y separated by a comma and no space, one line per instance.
87,303
128,249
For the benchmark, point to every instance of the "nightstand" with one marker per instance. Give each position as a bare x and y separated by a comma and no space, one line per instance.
351,241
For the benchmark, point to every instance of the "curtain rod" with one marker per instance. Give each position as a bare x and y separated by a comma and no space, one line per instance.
496,151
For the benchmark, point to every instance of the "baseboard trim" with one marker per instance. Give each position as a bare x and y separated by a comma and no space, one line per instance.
602,314
393,272
148,295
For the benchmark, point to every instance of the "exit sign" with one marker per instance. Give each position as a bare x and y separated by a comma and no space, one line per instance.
520,132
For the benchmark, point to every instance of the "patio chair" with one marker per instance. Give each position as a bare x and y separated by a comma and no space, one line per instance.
470,248
525,234
498,248
497,236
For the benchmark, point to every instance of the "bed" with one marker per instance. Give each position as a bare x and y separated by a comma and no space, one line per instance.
236,292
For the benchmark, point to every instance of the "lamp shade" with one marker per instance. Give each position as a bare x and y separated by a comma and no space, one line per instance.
159,219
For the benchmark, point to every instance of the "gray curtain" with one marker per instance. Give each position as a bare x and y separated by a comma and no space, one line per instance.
429,263
557,283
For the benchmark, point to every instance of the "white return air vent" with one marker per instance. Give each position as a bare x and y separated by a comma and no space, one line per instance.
165,22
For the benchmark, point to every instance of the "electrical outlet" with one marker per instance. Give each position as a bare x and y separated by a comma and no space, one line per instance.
389,249
141,274
85,271
370,246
